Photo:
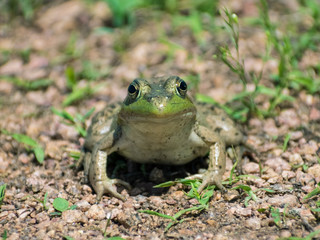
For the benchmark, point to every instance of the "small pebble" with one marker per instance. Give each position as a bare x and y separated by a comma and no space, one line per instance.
278,164
253,223
73,216
315,172
96,212
251,168
295,159
83,205
280,201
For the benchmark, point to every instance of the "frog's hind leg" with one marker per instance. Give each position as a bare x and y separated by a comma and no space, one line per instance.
79,163
84,160
86,166
236,154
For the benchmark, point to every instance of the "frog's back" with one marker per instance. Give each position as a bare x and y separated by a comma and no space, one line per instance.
217,120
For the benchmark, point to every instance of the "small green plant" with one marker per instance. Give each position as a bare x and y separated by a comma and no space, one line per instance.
91,72
172,47
313,193
4,235
287,49
77,121
2,193
285,142
28,85
68,238
316,210
203,200
310,236
115,238
25,55
123,12
18,8
72,51
249,192
77,93
275,214
244,104
175,7
44,201
31,144
61,205
194,22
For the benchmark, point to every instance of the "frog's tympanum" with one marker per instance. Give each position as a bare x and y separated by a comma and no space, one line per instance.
158,123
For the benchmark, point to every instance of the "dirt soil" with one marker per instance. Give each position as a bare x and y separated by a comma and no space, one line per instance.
121,56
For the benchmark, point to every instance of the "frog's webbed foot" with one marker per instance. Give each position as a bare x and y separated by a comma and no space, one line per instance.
99,179
208,178
108,186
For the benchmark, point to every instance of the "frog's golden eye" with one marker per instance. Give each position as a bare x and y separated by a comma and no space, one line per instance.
182,87
133,89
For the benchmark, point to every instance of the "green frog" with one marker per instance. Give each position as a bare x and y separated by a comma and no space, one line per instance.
158,123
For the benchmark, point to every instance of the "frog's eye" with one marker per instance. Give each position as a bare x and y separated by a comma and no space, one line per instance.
133,89
182,87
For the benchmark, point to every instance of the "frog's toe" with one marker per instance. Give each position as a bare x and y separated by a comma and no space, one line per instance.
208,178
108,186
121,182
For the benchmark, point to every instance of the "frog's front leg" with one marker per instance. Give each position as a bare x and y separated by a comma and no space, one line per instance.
98,170
217,158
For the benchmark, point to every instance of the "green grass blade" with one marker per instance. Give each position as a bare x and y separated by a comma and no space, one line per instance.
286,141
243,187
275,213
76,95
24,139
157,214
184,211
2,193
165,184
63,114
39,153
89,113
313,193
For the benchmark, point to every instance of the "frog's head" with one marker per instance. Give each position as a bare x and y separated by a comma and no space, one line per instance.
158,98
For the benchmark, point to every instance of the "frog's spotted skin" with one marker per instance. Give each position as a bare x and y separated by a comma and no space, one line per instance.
158,123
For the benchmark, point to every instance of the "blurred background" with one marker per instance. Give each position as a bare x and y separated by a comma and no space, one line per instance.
249,56
62,61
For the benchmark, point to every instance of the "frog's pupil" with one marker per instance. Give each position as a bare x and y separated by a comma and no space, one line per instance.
132,89
183,85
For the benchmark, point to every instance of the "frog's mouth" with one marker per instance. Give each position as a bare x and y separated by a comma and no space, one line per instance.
157,118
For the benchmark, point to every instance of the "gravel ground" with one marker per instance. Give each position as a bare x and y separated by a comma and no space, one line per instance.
291,174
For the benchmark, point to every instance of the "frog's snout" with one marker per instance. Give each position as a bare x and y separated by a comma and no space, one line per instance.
159,102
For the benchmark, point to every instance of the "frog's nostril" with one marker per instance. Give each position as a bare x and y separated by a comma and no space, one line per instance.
160,102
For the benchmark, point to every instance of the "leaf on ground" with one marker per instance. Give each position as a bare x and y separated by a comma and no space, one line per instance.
60,204
39,153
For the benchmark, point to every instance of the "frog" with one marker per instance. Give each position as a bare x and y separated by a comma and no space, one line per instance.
158,122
